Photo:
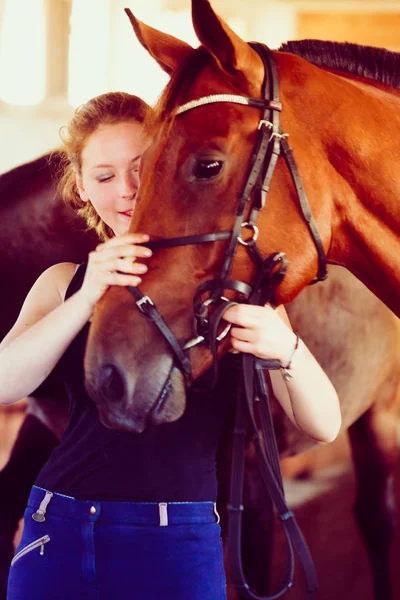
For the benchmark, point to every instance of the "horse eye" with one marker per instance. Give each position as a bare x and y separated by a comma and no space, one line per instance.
207,169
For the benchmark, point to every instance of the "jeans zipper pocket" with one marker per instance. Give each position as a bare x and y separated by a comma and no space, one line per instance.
32,546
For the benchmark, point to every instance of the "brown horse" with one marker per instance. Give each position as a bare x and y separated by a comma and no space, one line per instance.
364,375
193,176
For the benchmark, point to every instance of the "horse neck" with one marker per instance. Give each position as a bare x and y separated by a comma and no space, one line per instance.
370,249
366,190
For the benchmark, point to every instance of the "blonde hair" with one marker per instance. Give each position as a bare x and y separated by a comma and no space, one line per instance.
107,109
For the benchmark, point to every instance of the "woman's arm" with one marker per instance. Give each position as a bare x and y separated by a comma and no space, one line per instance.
47,325
308,397
44,329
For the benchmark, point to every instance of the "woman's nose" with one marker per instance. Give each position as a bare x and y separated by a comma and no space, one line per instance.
129,186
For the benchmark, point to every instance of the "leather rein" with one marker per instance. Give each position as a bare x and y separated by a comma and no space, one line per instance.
253,400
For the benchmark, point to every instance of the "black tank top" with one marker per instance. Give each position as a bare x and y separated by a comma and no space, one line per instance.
174,462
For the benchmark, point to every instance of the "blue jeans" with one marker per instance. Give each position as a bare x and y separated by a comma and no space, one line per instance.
75,549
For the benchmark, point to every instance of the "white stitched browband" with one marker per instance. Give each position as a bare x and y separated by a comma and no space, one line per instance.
211,99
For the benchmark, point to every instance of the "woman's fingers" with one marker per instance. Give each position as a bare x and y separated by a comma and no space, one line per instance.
240,346
121,265
123,250
124,240
247,315
123,246
125,265
259,330
121,254
115,262
243,334
122,279
247,340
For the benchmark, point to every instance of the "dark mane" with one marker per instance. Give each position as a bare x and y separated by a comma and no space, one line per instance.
366,61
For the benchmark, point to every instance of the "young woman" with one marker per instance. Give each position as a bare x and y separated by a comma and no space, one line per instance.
113,514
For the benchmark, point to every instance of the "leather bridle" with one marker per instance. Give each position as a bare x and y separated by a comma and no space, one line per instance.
270,142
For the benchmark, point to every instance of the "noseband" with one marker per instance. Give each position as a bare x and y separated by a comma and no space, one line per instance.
270,142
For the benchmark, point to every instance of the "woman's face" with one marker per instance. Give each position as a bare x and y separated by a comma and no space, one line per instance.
110,172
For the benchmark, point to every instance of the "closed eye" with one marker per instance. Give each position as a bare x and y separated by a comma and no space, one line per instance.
207,169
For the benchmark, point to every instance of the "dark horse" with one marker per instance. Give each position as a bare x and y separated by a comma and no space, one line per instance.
38,230
339,116
32,241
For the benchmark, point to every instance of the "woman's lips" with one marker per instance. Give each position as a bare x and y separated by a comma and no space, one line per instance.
127,213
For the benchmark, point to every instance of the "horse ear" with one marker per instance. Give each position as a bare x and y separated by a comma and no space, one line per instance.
233,55
167,50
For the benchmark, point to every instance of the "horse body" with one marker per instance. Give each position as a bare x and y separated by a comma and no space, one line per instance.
356,340
346,306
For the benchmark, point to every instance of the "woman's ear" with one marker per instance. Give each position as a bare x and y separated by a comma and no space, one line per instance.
81,190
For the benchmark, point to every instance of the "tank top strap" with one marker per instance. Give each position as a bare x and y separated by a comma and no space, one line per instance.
76,282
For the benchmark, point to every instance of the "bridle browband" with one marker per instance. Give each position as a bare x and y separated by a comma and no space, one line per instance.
271,141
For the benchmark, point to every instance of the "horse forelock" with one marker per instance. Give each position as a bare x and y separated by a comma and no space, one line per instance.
370,62
177,89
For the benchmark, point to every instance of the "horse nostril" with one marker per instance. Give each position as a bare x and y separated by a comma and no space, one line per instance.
112,385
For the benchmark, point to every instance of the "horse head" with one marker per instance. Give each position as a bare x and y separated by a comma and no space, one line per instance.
192,181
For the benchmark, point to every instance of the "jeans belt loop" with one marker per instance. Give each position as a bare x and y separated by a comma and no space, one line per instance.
39,515
163,512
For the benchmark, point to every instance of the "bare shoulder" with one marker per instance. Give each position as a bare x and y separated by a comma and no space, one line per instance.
56,279
46,294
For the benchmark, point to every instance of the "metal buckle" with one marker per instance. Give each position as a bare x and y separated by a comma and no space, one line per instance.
194,342
267,124
279,136
252,239
200,338
227,328
144,300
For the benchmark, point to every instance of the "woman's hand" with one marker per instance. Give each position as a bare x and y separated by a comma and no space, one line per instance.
261,331
308,398
114,263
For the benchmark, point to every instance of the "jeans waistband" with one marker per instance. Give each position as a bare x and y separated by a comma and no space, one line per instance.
43,503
